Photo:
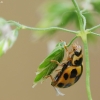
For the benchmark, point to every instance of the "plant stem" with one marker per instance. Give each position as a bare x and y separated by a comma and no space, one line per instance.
95,33
40,29
50,28
71,41
84,20
93,28
79,14
87,67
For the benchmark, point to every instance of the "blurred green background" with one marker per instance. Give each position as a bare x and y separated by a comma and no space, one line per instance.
19,64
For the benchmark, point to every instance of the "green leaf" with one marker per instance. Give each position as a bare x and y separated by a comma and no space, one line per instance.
47,67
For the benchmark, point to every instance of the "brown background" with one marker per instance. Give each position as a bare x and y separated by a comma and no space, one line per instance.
19,64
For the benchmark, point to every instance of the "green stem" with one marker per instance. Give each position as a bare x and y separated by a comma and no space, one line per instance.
71,41
50,28
40,29
84,20
95,33
87,67
93,28
79,14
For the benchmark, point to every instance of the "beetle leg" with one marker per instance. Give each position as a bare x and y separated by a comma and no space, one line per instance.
59,64
65,48
50,77
55,61
68,54
58,69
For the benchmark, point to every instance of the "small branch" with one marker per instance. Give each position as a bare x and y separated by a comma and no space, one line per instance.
95,33
93,28
50,28
71,41
40,29
84,20
79,14
14,23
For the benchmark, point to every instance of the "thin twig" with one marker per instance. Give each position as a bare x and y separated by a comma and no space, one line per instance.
93,28
41,29
79,14
71,41
95,33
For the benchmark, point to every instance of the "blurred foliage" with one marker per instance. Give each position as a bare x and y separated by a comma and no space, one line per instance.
60,14
7,36
96,5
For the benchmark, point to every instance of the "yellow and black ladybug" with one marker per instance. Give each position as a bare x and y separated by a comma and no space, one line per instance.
71,70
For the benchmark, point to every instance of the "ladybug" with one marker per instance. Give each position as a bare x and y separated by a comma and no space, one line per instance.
71,69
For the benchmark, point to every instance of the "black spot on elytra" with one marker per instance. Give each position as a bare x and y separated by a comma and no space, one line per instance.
78,77
60,84
65,65
65,76
67,85
73,73
78,62
57,77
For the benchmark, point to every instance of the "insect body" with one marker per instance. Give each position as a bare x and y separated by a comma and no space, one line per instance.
71,70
